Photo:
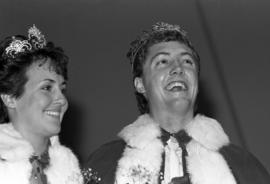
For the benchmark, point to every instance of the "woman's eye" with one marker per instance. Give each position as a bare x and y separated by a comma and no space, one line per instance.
47,88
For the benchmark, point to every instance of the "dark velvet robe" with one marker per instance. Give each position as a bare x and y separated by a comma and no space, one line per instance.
211,155
245,167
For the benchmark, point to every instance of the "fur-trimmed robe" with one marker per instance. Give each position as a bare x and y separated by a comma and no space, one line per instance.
15,167
137,157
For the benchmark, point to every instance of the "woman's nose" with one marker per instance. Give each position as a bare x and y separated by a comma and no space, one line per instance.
61,98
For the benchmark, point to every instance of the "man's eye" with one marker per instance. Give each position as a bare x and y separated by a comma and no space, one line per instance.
189,61
64,91
162,62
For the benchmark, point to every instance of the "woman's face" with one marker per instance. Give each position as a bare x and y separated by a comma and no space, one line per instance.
40,109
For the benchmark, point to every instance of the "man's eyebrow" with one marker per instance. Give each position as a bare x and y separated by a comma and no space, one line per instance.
167,53
159,53
187,53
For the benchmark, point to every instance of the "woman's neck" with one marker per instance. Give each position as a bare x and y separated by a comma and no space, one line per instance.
38,142
40,147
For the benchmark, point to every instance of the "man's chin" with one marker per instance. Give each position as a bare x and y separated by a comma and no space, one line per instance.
181,104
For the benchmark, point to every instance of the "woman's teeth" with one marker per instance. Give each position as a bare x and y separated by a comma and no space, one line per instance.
53,113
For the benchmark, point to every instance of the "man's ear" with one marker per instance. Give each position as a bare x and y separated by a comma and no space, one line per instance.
138,83
8,100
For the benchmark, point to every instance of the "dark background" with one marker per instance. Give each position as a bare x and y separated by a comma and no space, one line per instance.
231,36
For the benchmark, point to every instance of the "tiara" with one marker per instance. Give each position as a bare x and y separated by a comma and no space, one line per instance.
35,41
162,27
158,28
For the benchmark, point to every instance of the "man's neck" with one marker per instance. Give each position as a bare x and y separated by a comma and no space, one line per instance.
171,121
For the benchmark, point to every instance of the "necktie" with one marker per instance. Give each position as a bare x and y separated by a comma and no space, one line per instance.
173,163
39,163
174,160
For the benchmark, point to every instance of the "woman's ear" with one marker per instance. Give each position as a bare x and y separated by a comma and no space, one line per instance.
8,100
138,83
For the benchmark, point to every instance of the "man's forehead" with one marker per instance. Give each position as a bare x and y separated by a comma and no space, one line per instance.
167,48
175,45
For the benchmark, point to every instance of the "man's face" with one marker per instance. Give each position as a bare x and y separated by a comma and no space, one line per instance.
170,77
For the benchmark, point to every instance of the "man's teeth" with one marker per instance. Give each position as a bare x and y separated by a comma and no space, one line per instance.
53,113
179,85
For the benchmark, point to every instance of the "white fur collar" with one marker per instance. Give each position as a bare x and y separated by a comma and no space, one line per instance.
12,146
16,168
144,151
140,133
206,131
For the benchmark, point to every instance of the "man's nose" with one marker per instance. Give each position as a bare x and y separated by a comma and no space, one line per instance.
176,68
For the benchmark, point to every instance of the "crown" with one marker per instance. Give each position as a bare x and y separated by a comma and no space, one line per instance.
35,41
157,28
162,27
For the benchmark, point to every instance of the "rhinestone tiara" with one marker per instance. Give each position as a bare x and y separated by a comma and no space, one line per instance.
159,27
35,41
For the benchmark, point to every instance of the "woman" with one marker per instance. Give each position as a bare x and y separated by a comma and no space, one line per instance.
169,143
33,77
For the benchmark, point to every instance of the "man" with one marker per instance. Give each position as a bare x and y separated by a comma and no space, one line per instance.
168,143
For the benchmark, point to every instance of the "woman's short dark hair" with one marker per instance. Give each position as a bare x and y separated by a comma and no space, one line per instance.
160,32
13,69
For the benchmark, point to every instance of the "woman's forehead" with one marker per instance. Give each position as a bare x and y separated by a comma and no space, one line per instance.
42,69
